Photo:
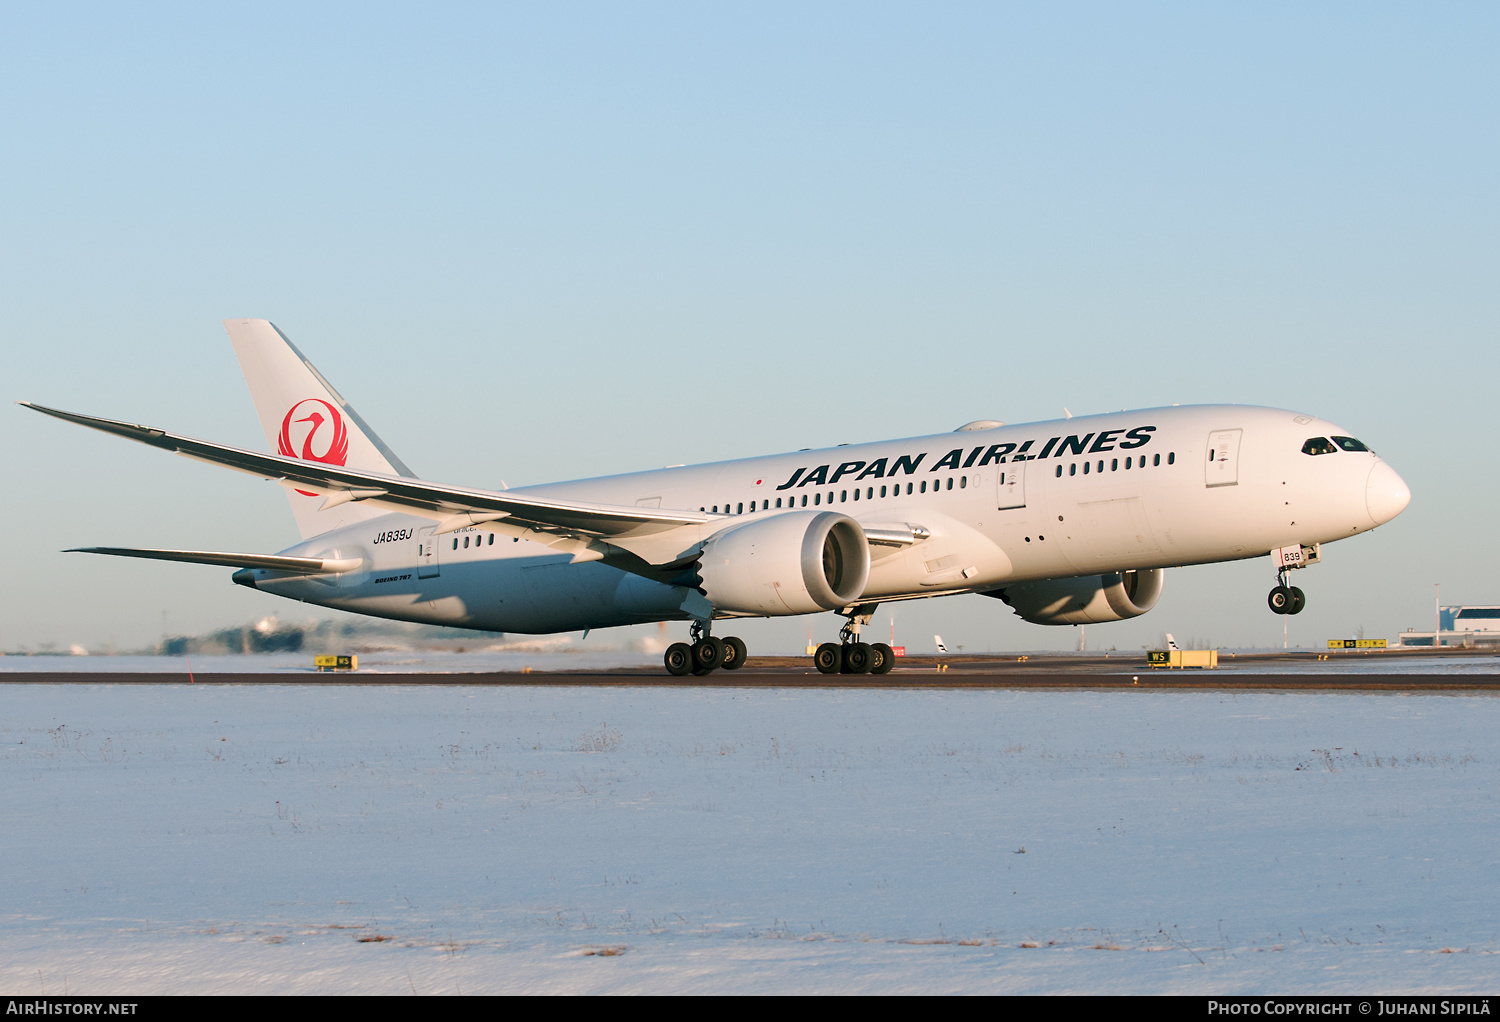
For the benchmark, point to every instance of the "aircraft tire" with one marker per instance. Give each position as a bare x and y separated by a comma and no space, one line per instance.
1279,600
708,654
734,653
885,658
829,658
679,659
858,658
1299,600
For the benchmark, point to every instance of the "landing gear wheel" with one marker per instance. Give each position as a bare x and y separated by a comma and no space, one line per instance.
1299,600
884,658
1280,600
828,658
708,654
679,659
734,653
858,658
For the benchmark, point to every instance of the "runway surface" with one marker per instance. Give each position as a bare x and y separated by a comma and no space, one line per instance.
1302,670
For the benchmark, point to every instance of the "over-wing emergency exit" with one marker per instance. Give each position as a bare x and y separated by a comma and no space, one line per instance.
1066,522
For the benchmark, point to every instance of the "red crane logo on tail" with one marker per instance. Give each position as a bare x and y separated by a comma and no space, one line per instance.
336,449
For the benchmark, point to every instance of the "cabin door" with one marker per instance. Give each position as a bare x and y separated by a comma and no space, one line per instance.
1012,485
427,554
1222,468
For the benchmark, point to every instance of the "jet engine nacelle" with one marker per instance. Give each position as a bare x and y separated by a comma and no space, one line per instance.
797,563
1087,600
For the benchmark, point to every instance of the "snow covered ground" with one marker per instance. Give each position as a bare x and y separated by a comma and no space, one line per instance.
296,838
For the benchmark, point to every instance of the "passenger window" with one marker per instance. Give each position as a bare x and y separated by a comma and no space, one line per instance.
924,485
870,493
1127,464
1072,469
950,482
817,498
1348,443
1101,464
778,501
1085,468
455,542
1059,471
716,509
1114,464
804,500
1155,460
856,494
492,540
1171,457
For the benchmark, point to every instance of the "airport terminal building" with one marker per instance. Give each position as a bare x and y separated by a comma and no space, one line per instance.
1459,626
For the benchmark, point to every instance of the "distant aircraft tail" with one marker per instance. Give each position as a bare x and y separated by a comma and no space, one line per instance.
1171,642
938,641
304,417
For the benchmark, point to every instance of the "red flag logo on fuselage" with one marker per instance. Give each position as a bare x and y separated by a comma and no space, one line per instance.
305,421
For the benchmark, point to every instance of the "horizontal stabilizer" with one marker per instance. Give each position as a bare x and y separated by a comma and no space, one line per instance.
271,562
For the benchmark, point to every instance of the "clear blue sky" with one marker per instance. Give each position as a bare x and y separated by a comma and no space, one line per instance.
551,241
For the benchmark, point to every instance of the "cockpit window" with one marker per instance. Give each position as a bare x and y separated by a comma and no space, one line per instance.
1318,445
1348,443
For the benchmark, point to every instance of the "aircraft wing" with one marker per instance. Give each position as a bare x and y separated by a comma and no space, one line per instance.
294,565
453,507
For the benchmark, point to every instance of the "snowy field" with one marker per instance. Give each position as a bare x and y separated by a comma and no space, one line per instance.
295,838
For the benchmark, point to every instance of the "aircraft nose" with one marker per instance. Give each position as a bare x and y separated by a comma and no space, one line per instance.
1386,493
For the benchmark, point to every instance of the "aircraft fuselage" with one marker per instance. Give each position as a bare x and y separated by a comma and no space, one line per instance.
986,508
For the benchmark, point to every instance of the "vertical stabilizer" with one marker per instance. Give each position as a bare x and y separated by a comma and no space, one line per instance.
304,417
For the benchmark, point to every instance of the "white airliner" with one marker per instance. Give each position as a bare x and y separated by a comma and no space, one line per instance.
1066,522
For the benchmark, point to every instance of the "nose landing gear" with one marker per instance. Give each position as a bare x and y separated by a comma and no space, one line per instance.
1288,599
705,654
1285,599
851,656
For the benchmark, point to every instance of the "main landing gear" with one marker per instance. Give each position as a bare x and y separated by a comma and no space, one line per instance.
1285,599
705,654
851,656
